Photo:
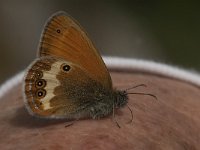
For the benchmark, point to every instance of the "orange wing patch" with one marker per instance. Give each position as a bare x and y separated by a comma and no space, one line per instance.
63,37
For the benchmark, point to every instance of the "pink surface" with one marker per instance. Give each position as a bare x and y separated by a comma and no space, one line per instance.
171,122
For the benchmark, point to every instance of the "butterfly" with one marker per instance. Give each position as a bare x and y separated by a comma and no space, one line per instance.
69,79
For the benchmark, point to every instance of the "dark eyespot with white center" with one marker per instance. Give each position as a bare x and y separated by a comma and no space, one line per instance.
38,74
40,93
65,67
58,31
41,83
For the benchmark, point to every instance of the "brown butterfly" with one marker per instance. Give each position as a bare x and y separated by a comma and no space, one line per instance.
69,78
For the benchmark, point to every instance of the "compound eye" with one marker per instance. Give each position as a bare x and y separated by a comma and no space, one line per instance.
65,67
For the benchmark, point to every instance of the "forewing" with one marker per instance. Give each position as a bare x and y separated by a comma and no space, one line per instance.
63,37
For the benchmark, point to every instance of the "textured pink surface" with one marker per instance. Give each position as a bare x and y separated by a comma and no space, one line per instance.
171,122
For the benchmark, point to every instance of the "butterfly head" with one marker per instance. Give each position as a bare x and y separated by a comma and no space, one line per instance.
120,98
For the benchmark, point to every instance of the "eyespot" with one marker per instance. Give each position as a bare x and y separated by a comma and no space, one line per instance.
38,74
58,30
41,83
40,93
65,67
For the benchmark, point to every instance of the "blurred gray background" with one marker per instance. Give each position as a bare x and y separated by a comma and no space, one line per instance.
167,31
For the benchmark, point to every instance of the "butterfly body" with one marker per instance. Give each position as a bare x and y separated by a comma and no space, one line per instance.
69,78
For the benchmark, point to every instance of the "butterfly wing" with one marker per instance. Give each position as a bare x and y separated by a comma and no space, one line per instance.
56,88
63,37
